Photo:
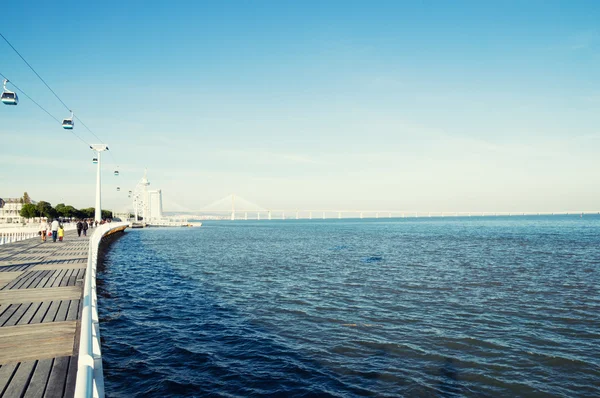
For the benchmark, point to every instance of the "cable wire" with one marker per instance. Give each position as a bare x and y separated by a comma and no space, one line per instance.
37,74
41,107
49,88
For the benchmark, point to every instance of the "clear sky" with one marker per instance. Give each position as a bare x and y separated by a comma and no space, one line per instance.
417,105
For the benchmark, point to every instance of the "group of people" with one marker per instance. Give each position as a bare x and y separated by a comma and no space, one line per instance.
56,230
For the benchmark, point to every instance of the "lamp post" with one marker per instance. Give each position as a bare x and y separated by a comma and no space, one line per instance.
98,148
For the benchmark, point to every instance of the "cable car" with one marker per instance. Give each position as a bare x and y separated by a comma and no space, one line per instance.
95,160
8,97
116,173
69,123
118,189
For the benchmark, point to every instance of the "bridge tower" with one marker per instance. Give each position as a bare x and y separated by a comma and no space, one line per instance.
269,214
232,207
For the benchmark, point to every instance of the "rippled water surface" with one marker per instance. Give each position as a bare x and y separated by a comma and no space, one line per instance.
420,307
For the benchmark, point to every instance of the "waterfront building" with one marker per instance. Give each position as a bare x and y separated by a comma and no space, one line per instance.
155,205
10,211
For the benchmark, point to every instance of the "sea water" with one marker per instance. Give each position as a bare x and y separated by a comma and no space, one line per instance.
473,306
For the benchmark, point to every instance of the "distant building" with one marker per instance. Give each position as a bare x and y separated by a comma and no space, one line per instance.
10,210
155,205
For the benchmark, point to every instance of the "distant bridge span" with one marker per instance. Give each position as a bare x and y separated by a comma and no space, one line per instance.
235,208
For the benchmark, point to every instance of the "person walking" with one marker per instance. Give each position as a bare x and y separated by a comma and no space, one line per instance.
61,232
85,228
54,230
44,230
79,227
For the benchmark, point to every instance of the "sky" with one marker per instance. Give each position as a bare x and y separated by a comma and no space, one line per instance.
388,105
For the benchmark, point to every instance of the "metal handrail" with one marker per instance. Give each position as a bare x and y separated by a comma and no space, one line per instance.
90,379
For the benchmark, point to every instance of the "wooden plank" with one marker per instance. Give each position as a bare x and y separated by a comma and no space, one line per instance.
55,280
51,314
71,377
8,313
77,265
37,384
61,315
7,277
40,313
12,321
6,374
26,318
44,340
58,377
16,281
73,313
33,295
40,280
65,279
20,379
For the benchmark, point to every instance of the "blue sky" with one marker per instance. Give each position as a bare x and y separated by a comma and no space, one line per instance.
426,106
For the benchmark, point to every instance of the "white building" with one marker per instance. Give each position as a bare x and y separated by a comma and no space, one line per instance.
10,211
155,205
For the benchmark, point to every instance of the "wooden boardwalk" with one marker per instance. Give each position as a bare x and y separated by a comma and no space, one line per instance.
40,296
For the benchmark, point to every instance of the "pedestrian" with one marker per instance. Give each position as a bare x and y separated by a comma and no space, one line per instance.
96,223
85,228
43,229
79,227
61,232
54,230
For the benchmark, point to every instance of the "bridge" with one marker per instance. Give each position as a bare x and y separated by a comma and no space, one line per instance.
234,207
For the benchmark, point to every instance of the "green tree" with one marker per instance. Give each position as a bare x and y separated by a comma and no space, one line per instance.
59,209
28,211
87,212
26,198
68,211
45,209
106,214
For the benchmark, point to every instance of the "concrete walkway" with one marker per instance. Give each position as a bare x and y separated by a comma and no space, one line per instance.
40,296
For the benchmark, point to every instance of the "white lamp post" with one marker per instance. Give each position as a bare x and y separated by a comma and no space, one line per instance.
98,148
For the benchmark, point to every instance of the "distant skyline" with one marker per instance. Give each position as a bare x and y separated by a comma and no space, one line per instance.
416,106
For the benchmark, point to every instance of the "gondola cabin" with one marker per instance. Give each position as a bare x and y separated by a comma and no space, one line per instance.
95,160
9,97
116,173
68,124
118,189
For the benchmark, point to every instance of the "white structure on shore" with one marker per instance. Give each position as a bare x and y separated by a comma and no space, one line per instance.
10,211
147,204
155,205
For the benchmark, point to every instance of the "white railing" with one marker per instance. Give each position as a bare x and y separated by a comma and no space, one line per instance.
90,379
11,235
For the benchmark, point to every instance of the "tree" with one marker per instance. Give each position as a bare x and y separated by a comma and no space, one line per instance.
45,209
59,209
88,212
28,211
69,211
106,214
26,198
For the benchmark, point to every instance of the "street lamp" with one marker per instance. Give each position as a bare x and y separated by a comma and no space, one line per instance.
98,148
